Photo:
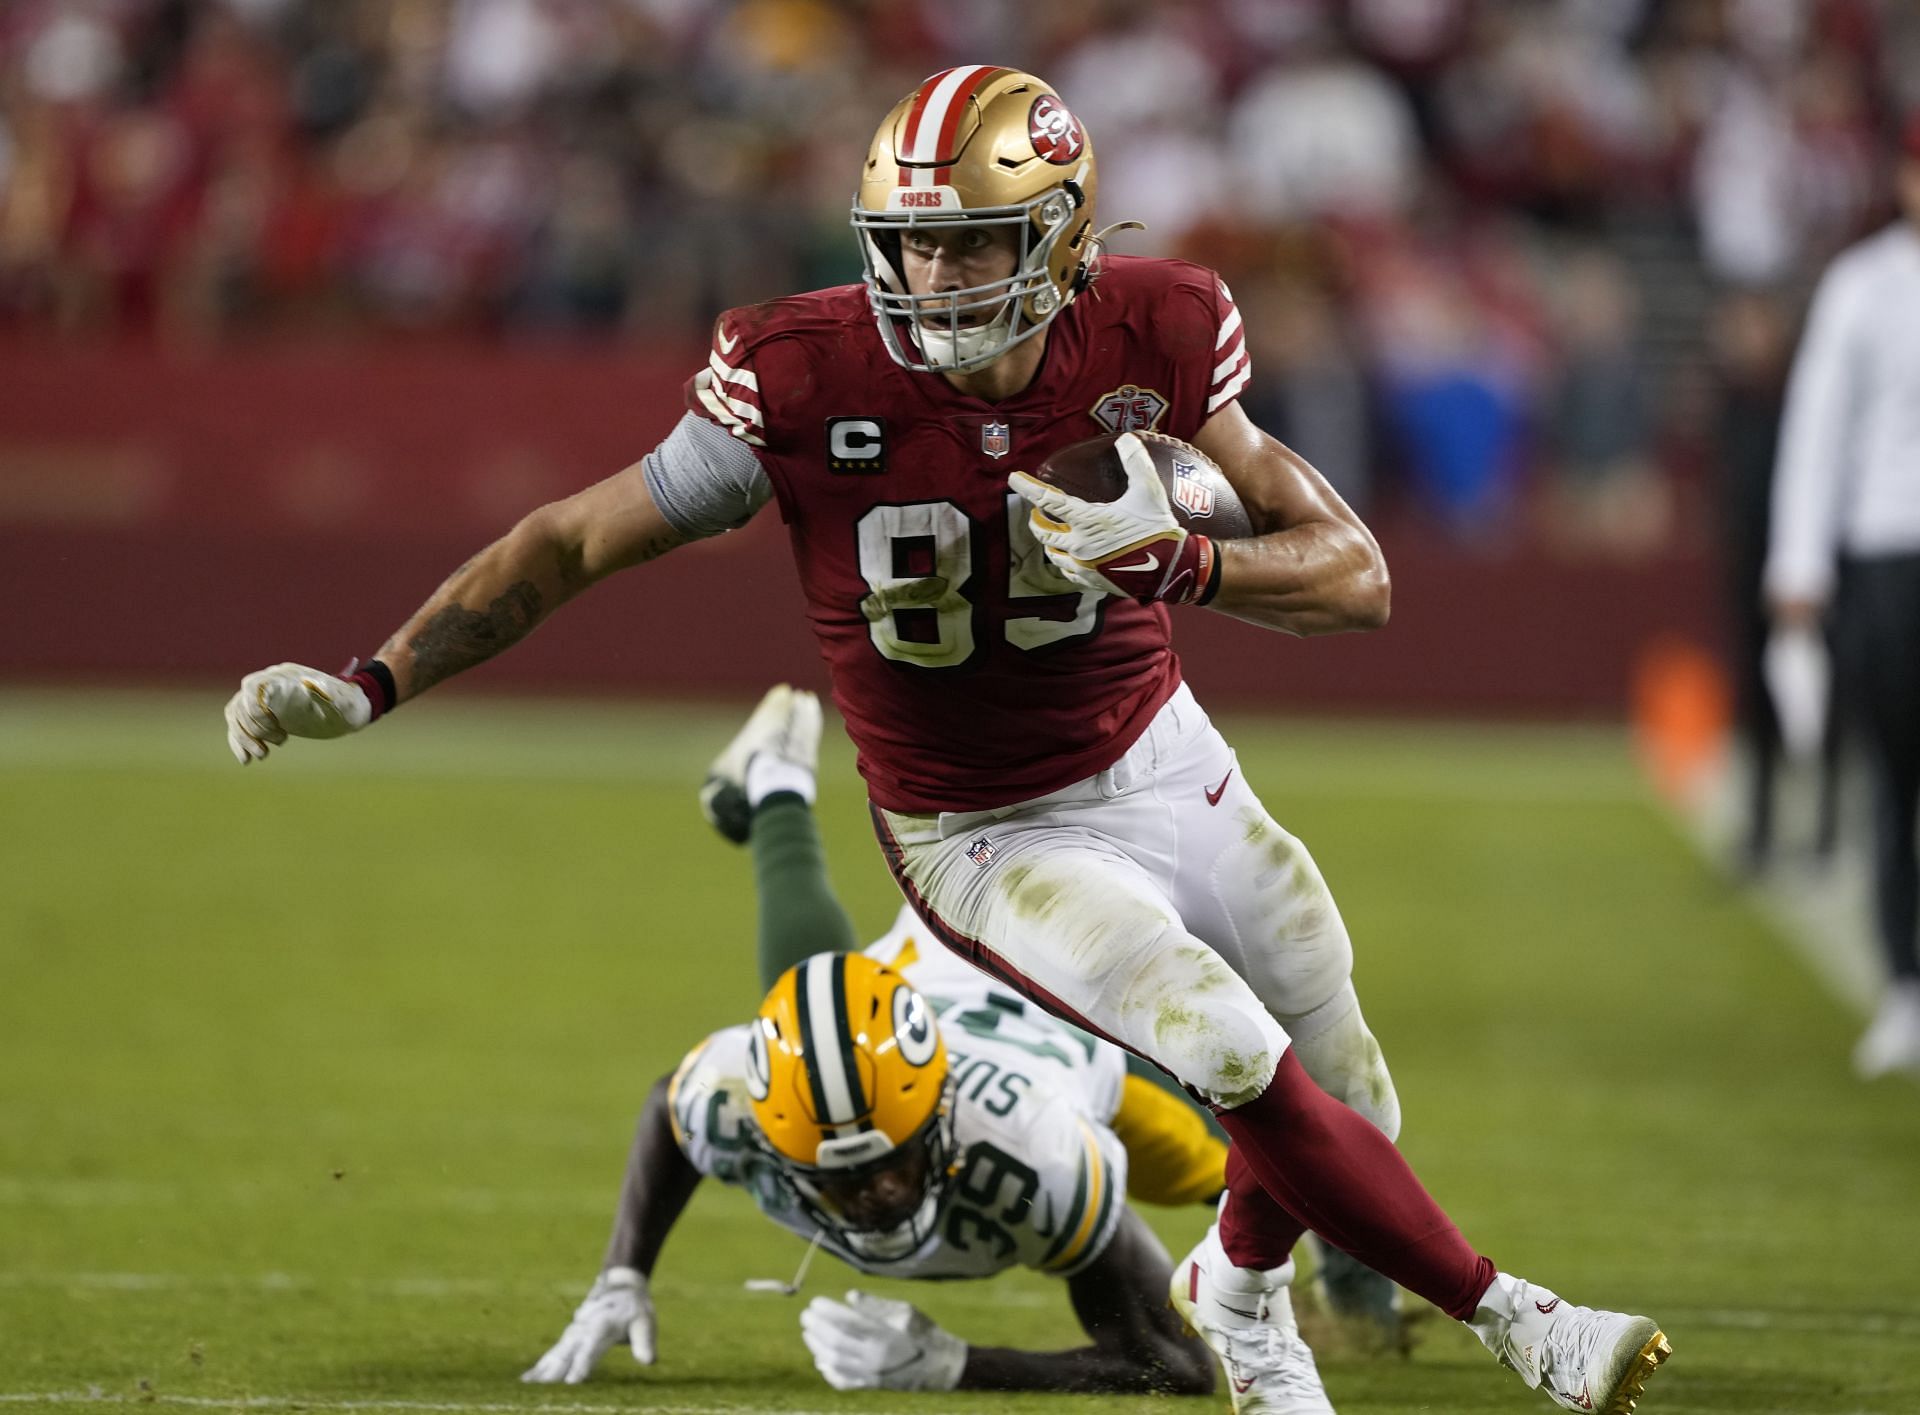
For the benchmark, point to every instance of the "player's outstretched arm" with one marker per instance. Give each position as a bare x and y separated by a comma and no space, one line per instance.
1138,1343
618,1306
495,599
1311,566
487,605
876,1343
659,1181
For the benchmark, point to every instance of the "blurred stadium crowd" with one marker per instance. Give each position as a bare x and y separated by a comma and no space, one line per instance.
1503,260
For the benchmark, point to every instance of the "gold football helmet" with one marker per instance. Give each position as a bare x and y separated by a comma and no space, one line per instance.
847,1079
976,146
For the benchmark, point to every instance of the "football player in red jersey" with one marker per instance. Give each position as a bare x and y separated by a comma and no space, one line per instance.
1047,791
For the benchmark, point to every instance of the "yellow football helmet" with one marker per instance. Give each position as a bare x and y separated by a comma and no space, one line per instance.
977,146
847,1080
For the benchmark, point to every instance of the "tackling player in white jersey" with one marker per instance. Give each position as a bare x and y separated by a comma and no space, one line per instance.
901,1111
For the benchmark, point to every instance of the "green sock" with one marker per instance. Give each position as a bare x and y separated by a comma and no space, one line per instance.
799,913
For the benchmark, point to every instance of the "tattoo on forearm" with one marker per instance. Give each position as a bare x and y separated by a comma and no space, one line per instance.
655,546
458,637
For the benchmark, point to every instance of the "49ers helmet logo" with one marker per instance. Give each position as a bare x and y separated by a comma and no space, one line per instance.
1055,132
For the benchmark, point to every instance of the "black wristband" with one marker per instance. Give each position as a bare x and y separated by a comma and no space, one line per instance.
379,678
1212,586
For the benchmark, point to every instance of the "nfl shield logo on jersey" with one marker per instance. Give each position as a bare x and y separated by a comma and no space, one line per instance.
1192,494
1129,408
981,852
996,439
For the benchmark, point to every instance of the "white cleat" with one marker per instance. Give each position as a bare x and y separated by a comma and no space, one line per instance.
785,727
1584,1359
1246,1319
1891,1042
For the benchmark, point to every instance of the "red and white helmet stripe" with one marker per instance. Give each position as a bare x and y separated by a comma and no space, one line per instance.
934,122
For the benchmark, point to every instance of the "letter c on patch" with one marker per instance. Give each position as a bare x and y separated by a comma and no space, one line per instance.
854,439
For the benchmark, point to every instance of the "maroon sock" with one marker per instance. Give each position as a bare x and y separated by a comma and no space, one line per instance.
1330,1168
1255,1229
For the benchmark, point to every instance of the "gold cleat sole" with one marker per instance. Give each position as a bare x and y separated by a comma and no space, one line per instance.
1182,1311
1652,1356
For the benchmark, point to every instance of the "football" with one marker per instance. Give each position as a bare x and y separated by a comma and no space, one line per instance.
1203,499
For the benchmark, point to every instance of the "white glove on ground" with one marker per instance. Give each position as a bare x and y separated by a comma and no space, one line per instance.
874,1343
292,700
1087,539
617,1308
1798,678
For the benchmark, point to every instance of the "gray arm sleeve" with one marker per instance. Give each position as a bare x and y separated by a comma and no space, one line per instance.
703,480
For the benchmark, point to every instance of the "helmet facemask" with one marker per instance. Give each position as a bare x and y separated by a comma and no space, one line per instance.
882,1207
976,147
957,330
852,1101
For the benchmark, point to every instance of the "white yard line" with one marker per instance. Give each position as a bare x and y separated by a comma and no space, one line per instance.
1894,1324
1822,911
65,1193
1825,916
99,1396
277,1282
1857,1323
433,1288
667,744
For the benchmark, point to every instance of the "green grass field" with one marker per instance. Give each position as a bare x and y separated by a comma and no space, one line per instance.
316,1078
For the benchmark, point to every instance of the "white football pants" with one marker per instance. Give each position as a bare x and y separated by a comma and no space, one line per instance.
1157,903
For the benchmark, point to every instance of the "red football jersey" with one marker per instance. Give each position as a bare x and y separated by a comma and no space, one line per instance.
970,672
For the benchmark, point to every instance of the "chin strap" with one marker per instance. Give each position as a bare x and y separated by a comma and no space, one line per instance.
1096,247
788,1289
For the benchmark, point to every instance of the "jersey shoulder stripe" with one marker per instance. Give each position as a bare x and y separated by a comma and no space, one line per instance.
729,391
1234,365
674,1086
1084,1233
1193,312
728,394
707,1103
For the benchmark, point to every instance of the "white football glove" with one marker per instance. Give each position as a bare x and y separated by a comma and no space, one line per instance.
617,1308
1799,680
292,700
874,1343
1131,546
